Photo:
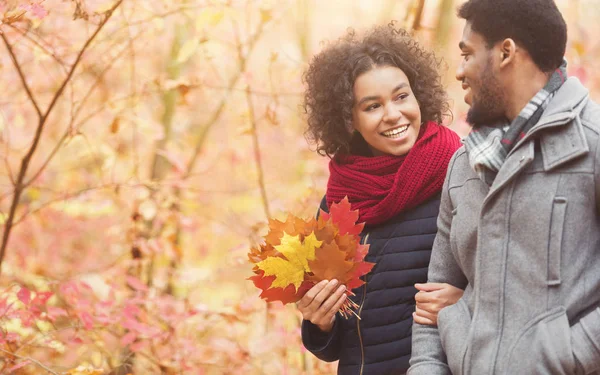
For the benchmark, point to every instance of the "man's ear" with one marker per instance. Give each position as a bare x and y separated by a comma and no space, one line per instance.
508,50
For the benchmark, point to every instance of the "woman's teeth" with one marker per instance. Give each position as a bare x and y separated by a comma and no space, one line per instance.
395,133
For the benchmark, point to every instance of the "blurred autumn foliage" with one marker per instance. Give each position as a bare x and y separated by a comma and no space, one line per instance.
144,144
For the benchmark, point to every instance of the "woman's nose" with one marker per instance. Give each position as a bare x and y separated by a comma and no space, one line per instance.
392,113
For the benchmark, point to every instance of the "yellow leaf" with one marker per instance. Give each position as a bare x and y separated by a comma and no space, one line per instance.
84,370
105,7
290,270
114,126
187,50
579,47
265,15
285,272
209,17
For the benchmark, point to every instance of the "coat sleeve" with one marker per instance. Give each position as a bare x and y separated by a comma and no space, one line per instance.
325,346
428,357
585,334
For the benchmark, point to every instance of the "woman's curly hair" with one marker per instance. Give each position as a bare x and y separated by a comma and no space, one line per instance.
329,95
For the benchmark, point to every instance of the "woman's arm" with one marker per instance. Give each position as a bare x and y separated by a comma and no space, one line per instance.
320,328
433,297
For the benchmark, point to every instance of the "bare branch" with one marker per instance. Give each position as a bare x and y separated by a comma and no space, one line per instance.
232,82
79,56
19,186
25,34
257,158
71,126
21,75
31,360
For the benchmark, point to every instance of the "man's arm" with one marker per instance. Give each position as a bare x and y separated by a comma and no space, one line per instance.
428,357
585,334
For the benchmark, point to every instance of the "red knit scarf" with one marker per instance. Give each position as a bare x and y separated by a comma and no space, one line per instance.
381,187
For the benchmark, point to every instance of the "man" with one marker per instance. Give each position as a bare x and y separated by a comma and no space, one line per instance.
519,223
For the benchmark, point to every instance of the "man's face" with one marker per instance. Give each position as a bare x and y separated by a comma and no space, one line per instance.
478,76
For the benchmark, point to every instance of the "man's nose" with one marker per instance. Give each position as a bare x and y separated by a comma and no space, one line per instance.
460,73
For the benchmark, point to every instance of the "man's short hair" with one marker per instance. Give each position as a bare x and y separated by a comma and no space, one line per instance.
535,25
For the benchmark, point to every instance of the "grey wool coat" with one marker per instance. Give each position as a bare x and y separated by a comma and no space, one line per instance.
527,250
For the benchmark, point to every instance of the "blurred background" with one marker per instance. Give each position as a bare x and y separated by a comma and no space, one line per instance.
144,144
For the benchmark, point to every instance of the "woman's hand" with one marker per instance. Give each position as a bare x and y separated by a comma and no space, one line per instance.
321,302
431,298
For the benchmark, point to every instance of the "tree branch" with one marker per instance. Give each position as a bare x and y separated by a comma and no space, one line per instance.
257,158
19,186
232,82
21,75
31,360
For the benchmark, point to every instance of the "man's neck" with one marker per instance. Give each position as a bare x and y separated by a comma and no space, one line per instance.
525,86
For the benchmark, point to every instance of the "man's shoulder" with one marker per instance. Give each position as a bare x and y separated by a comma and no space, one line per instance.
590,116
459,169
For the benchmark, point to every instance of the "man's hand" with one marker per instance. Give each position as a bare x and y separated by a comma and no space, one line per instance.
431,298
321,302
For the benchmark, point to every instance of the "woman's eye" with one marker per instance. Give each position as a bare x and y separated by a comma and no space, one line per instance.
401,96
372,107
465,56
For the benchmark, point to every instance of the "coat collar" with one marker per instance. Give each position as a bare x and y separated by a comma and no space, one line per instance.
560,133
559,129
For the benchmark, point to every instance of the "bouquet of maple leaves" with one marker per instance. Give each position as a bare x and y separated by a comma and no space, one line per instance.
298,253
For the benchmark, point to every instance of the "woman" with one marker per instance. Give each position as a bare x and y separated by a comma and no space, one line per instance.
374,105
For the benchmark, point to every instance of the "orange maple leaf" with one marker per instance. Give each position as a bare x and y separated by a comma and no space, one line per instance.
293,226
330,263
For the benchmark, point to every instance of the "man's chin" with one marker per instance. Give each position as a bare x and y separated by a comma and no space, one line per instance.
477,117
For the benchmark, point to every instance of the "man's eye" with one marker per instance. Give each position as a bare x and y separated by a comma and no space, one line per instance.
465,55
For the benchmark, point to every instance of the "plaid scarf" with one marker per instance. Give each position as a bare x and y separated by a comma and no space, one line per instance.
488,146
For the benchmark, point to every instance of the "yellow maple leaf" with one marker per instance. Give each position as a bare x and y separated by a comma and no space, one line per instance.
291,269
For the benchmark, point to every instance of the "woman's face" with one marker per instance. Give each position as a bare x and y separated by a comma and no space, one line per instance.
386,112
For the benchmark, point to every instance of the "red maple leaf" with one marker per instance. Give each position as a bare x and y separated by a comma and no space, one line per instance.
344,217
284,295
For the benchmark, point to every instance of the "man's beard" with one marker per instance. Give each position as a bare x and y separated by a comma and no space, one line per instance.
487,107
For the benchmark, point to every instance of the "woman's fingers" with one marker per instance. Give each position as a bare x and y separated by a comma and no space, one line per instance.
426,314
332,300
338,304
319,300
420,320
311,294
430,287
423,297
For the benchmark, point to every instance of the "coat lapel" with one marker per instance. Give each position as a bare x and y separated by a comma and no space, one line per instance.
560,133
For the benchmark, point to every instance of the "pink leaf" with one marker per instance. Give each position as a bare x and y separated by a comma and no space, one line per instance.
136,284
38,11
24,295
55,312
87,320
41,298
128,339
137,346
18,366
